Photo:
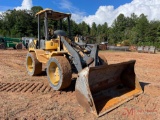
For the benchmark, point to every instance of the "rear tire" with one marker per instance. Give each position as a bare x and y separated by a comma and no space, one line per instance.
19,46
14,47
2,46
33,66
59,72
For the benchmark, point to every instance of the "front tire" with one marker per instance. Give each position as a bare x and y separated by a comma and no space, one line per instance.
59,72
33,66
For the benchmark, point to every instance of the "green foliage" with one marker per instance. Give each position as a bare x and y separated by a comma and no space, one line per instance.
19,23
135,29
93,29
36,9
126,43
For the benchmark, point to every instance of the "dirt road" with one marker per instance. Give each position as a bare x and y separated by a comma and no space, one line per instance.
25,97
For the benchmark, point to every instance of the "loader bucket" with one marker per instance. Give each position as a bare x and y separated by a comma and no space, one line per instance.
103,88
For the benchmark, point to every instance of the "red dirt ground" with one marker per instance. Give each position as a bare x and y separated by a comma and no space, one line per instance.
62,105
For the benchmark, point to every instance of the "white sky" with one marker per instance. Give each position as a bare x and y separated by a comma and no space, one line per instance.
26,4
108,13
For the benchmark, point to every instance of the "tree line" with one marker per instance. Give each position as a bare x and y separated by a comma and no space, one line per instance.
133,30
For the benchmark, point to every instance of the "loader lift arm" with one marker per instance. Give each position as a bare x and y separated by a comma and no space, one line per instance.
75,55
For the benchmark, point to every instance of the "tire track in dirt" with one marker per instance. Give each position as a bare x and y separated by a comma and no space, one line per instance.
13,55
13,65
13,58
25,87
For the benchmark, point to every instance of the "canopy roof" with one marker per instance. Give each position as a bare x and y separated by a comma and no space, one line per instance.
55,15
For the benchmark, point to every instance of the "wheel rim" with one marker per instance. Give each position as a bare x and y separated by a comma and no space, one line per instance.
54,73
30,64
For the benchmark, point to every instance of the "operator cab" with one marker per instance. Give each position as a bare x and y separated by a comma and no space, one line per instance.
51,34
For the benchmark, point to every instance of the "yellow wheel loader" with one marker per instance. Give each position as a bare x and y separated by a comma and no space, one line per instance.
99,87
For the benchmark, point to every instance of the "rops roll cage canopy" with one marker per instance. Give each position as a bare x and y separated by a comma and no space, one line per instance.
53,15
